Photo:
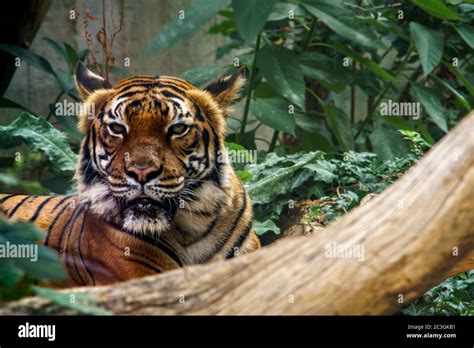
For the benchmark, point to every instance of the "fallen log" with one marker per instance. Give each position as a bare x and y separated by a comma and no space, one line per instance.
404,241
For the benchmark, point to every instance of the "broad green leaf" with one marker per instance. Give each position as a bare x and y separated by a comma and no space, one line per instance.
307,122
40,63
388,143
34,59
460,98
9,183
340,125
311,141
466,32
328,13
323,68
429,99
323,170
279,66
279,180
263,227
369,64
251,15
72,56
200,76
429,44
460,76
274,112
8,103
57,47
41,136
196,16
84,303
282,10
437,9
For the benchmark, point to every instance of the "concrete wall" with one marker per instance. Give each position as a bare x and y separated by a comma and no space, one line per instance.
143,20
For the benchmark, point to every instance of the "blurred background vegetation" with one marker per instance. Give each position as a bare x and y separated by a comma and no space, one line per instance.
318,72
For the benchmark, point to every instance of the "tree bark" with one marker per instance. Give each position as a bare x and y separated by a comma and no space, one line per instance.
19,24
410,234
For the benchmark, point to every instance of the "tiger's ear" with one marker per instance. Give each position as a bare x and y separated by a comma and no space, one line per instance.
87,82
227,89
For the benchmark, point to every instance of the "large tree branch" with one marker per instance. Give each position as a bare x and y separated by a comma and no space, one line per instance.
408,233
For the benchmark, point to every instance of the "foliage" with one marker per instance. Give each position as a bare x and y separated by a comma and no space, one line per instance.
18,275
454,296
419,51
278,181
318,73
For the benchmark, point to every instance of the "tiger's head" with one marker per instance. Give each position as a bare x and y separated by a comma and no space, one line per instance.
149,143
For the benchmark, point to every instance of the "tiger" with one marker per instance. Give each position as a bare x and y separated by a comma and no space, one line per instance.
155,187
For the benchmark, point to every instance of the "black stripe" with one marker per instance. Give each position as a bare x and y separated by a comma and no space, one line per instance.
175,88
157,244
144,264
169,185
61,235
46,241
203,235
71,230
121,249
80,251
94,144
13,211
6,198
65,198
230,254
169,94
40,207
129,94
220,244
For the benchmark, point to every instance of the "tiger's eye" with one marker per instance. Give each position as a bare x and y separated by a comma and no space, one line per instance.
117,128
179,129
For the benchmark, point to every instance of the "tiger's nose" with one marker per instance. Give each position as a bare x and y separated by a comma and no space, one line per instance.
143,173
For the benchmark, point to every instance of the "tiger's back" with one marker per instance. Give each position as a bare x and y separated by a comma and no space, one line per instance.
93,252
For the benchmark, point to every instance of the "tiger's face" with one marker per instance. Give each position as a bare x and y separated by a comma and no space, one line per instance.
149,142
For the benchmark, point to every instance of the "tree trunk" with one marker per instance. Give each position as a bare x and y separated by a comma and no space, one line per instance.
410,234
19,24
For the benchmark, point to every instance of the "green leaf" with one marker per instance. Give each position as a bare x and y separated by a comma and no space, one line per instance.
202,75
281,10
57,47
251,15
388,143
429,99
341,126
330,15
41,136
437,9
429,45
196,16
8,103
466,32
323,68
280,68
268,184
83,303
37,61
40,63
460,98
274,112
369,64
72,56
264,227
